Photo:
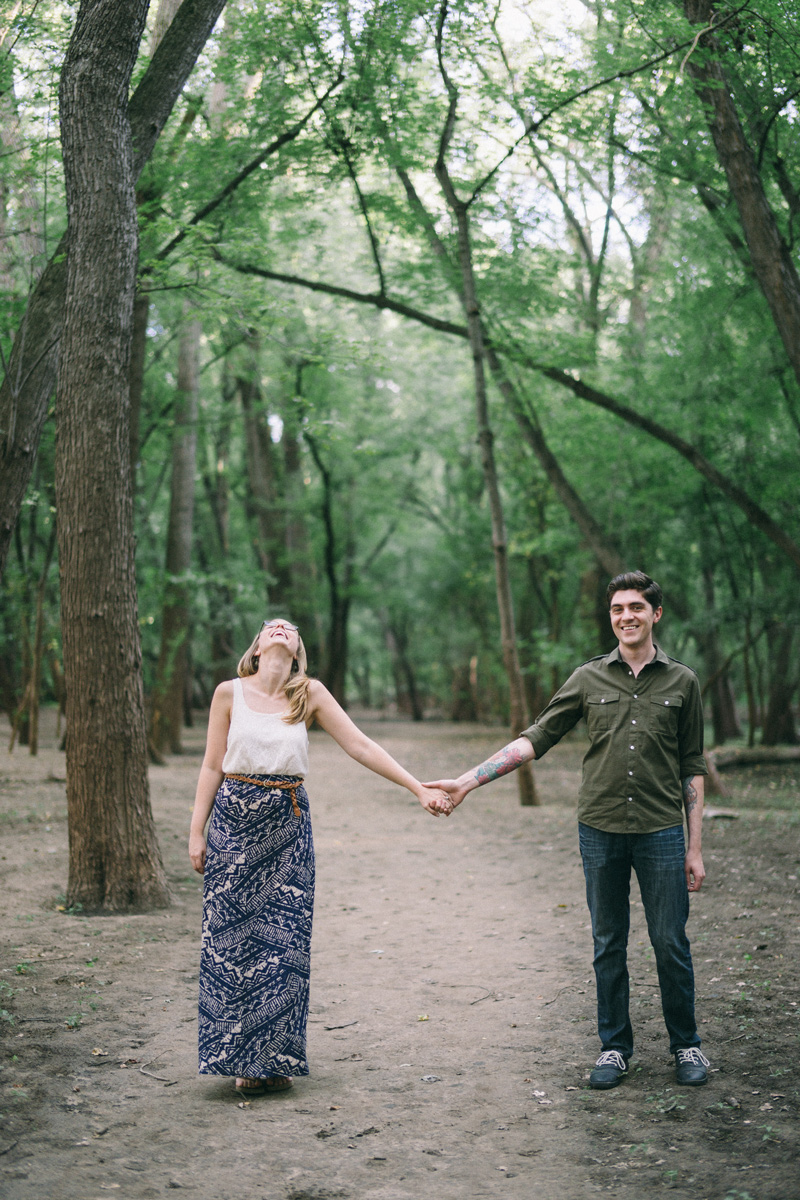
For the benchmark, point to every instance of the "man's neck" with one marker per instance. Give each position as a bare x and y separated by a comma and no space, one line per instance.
638,657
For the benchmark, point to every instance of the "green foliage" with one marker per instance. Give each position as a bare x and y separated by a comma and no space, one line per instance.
605,244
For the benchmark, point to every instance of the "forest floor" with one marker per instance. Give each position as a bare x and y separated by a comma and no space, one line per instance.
452,1010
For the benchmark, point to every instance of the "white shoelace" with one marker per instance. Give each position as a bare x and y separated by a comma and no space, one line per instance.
613,1058
691,1054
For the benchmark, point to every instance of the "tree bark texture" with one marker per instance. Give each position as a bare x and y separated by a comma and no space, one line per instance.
114,857
33,363
173,659
773,265
141,312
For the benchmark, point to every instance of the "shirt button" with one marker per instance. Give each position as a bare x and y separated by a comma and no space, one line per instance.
630,799
630,772
633,747
633,722
635,696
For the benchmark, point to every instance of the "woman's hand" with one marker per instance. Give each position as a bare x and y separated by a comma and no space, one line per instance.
197,851
454,789
436,801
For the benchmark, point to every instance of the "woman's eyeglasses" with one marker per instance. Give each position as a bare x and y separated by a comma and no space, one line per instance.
279,625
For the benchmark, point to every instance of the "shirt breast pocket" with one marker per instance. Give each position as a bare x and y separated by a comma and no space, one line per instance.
602,710
665,713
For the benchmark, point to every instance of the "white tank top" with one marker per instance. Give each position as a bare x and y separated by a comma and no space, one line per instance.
262,743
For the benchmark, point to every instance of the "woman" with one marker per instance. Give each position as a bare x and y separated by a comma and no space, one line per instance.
258,866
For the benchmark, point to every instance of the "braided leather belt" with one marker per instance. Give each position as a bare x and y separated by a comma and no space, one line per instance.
284,787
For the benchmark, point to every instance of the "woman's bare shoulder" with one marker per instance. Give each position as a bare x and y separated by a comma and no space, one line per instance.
223,692
318,694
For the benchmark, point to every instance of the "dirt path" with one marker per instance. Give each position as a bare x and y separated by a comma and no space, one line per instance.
452,1020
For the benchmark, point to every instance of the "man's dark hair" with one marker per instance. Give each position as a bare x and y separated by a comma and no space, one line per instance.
635,581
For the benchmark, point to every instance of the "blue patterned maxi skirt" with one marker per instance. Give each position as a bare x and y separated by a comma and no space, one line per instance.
258,902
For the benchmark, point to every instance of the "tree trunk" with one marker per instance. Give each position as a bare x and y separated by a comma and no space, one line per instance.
773,265
748,756
334,667
141,311
779,724
301,568
114,858
170,687
464,704
594,536
33,364
217,487
460,211
405,683
260,461
723,710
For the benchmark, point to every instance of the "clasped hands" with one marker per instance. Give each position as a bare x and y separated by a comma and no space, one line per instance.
441,796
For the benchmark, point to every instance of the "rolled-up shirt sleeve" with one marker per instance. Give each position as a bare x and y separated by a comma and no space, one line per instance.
690,733
561,714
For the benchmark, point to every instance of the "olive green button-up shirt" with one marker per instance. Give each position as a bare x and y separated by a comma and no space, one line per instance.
645,734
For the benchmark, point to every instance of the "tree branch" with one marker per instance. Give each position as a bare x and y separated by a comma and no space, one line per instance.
533,126
756,515
230,187
164,80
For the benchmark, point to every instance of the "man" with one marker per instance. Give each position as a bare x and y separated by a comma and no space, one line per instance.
643,769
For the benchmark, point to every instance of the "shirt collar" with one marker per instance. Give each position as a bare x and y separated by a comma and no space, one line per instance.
615,656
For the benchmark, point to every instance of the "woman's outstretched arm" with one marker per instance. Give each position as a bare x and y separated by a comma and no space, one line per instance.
508,759
335,721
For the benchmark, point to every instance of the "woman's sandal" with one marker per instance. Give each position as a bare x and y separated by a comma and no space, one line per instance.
257,1087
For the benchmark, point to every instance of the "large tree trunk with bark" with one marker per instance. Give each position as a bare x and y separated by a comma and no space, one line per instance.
33,364
114,858
173,658
772,261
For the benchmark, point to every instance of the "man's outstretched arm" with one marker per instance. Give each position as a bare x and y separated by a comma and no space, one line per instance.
504,761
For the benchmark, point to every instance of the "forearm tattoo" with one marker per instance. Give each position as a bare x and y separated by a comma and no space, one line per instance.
507,759
689,795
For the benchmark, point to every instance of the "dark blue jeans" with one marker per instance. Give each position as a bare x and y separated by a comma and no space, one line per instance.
657,858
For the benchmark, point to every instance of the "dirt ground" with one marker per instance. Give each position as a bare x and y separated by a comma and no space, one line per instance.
452,1011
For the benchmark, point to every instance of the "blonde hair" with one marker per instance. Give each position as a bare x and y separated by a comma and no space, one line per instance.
297,685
